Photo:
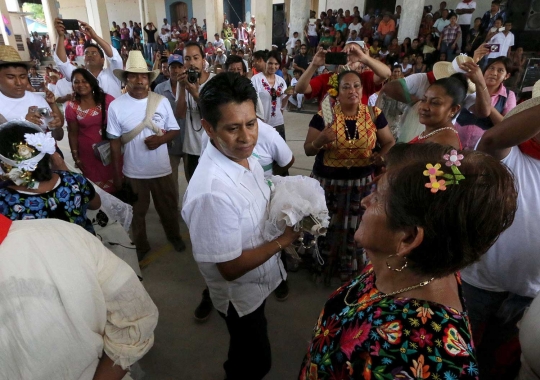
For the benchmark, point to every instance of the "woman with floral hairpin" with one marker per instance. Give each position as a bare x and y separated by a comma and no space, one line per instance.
343,140
272,90
40,185
433,212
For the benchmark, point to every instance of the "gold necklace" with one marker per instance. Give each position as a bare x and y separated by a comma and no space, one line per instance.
423,137
383,295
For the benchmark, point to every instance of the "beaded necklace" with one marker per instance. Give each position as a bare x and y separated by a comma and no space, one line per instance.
274,94
423,137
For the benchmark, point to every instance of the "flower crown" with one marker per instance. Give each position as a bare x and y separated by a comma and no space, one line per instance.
20,168
333,82
452,161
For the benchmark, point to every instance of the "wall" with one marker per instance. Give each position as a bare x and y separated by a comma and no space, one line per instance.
74,9
123,11
481,6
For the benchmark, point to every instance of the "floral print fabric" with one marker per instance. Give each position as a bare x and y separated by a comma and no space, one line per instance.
68,202
389,338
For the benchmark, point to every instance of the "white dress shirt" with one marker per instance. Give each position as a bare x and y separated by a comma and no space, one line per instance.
225,208
107,81
65,299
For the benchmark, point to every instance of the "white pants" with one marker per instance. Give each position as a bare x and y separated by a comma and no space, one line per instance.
297,100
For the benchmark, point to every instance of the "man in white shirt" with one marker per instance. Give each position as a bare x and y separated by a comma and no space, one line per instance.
291,42
355,25
225,208
465,9
164,35
146,161
504,40
94,59
187,105
17,103
218,42
71,309
166,25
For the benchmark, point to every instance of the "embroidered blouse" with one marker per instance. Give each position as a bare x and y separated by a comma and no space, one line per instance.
389,338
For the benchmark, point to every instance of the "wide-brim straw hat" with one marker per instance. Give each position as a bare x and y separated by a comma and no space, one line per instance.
8,55
446,69
534,101
136,64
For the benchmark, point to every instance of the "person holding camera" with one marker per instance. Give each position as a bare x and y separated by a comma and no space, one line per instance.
144,123
94,59
191,82
151,44
18,103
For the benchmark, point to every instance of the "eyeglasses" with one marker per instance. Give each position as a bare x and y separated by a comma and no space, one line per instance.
273,94
90,53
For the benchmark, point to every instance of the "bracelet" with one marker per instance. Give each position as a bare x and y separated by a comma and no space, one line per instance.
313,145
74,151
279,245
484,89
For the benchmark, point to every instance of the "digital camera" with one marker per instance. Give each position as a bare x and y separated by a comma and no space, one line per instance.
193,76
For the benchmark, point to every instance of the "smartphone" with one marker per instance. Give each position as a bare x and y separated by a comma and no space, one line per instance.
494,48
336,59
71,24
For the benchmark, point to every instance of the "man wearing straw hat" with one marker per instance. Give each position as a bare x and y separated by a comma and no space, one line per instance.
500,286
143,122
17,103
94,59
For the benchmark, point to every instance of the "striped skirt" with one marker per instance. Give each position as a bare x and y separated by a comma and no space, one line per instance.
343,258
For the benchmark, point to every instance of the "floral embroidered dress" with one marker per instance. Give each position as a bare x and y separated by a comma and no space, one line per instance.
389,338
89,122
68,201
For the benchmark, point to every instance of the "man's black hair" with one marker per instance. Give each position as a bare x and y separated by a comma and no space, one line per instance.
260,54
234,59
193,43
101,54
223,89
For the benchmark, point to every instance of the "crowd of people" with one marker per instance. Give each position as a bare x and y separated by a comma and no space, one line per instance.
404,218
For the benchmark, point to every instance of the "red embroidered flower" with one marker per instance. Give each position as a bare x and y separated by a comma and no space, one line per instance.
353,336
326,333
422,337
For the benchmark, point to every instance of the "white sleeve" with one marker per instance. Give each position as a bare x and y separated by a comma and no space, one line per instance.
281,153
415,82
66,68
170,124
115,62
113,126
469,100
215,214
131,314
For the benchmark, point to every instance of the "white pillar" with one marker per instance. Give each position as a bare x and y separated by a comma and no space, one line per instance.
51,12
150,14
214,18
298,16
9,38
142,15
322,8
98,18
412,12
263,22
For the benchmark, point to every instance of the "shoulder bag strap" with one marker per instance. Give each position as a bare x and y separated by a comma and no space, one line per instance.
151,107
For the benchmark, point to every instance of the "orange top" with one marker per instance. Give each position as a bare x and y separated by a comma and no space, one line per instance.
386,27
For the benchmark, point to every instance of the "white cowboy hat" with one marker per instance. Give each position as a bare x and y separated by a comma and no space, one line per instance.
446,69
136,64
534,101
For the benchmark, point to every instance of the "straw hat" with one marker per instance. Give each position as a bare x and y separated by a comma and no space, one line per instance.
446,69
136,64
534,101
8,54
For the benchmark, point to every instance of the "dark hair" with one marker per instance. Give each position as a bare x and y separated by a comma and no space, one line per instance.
193,43
507,62
222,89
455,86
97,93
500,19
461,223
13,64
452,14
274,54
260,54
303,45
297,71
235,59
11,136
342,75
101,54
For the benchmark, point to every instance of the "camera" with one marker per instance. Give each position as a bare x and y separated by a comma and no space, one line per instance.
45,112
192,76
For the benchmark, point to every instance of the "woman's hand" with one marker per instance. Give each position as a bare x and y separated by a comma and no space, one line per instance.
326,136
377,159
480,53
474,73
355,53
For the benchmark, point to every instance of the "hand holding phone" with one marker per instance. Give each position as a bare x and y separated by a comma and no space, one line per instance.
335,59
71,24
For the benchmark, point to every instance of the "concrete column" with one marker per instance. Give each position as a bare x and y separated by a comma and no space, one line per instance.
98,18
298,15
51,12
263,22
142,15
322,8
150,14
214,18
5,22
412,12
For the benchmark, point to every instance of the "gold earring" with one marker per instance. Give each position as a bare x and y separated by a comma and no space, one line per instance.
396,270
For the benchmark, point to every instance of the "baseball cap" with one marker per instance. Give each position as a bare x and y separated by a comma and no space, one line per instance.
175,58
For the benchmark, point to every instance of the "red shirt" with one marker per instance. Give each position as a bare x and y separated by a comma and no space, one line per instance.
5,224
319,86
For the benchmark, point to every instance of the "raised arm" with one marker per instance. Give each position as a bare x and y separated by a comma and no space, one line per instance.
482,106
499,140
89,31
303,86
357,54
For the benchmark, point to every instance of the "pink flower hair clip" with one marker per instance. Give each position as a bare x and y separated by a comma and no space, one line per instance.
453,160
